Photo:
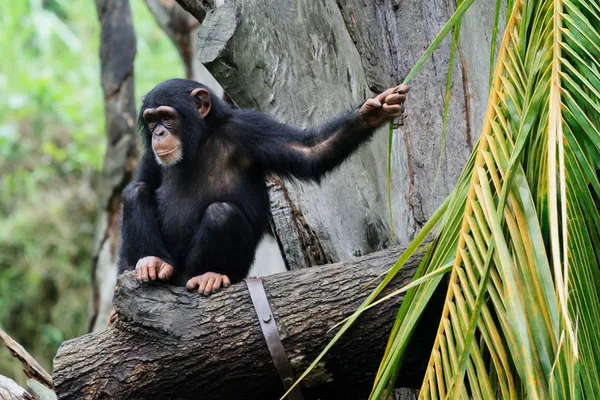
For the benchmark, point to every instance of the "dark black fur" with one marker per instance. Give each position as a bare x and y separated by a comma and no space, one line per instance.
209,212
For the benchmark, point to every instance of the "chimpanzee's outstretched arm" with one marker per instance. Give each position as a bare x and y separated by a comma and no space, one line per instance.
140,231
305,154
311,153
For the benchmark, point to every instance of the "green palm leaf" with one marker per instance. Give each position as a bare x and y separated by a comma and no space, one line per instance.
522,230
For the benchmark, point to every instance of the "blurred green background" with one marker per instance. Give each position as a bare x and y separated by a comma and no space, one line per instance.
52,145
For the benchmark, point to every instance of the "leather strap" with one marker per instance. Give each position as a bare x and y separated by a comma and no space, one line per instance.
271,334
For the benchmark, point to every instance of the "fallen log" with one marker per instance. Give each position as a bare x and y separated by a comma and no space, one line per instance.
171,344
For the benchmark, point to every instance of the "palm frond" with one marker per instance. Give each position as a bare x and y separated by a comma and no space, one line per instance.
522,308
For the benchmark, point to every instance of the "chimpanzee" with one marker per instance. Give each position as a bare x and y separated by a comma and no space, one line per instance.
198,205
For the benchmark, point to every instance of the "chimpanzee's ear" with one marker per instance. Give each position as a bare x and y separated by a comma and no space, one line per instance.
202,97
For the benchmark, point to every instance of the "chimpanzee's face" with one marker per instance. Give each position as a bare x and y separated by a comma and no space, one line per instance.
172,118
165,128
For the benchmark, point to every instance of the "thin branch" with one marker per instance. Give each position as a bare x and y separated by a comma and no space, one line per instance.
31,367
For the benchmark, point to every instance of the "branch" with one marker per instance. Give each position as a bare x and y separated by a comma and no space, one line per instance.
194,347
31,367
178,24
198,8
9,390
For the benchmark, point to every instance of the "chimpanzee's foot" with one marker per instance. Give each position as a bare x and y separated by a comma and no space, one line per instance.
151,268
113,314
112,317
207,283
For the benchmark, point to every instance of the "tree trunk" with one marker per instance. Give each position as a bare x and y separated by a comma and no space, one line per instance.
117,53
179,345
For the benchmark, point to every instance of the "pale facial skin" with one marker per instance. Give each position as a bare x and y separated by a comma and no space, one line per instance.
164,124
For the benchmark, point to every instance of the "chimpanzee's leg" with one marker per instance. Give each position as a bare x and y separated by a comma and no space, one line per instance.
140,230
224,244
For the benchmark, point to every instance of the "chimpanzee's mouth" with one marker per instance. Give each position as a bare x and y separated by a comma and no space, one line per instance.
167,152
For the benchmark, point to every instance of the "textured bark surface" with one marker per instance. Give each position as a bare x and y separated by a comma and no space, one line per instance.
117,53
303,61
181,345
300,246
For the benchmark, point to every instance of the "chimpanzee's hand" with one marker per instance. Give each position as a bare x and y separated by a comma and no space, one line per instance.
389,104
151,268
207,283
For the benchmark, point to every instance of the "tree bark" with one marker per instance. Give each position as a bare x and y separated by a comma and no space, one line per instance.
117,54
182,345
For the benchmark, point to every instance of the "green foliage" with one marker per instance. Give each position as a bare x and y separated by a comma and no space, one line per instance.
52,145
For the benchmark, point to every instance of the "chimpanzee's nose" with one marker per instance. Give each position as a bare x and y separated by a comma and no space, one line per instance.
159,132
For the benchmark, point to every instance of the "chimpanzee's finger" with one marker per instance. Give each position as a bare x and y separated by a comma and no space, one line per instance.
381,97
141,270
165,271
152,267
392,109
202,284
138,272
395,98
372,104
217,284
209,286
144,270
403,89
192,284
226,281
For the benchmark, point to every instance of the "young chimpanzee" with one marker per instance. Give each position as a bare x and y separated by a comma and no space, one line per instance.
198,205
